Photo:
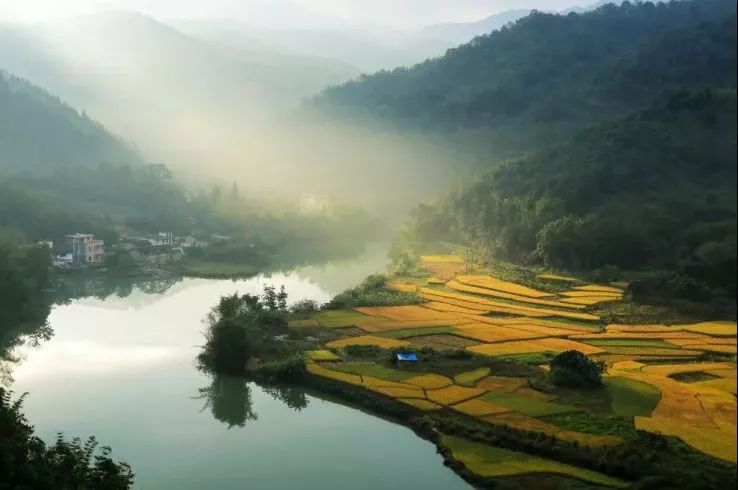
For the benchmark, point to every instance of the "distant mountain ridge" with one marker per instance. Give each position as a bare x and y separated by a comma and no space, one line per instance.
39,132
463,32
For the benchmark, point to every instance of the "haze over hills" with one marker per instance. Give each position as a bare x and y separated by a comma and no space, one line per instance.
463,32
39,133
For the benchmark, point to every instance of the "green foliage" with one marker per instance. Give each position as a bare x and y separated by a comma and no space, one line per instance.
27,462
527,405
291,368
239,327
631,397
371,292
574,369
547,76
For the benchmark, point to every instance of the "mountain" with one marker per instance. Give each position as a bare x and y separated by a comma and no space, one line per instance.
463,32
369,48
184,100
39,133
548,76
654,190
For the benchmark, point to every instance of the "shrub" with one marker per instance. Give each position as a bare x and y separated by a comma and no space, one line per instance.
574,369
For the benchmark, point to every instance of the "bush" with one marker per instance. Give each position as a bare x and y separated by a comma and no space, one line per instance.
575,370
305,306
292,368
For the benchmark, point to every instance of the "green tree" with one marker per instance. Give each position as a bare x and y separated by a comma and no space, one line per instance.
575,370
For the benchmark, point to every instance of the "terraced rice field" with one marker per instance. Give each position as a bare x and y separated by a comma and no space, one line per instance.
502,320
491,461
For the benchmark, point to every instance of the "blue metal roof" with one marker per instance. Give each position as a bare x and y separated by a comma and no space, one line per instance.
408,356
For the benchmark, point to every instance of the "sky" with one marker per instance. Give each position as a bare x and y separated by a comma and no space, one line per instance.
285,13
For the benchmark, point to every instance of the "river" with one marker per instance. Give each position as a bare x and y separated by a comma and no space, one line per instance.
122,368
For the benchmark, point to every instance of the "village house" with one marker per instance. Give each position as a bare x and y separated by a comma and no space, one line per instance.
85,250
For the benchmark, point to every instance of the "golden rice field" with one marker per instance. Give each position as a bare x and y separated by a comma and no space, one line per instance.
438,259
489,282
501,294
511,320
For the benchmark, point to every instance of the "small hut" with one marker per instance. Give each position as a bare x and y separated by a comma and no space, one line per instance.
406,358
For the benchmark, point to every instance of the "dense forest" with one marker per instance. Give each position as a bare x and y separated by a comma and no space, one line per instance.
38,132
654,189
547,76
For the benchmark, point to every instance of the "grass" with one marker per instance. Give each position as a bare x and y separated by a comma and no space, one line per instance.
415,332
376,371
631,397
598,424
322,355
527,405
470,378
495,462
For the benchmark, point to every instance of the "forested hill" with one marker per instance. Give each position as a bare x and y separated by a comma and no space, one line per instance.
38,132
654,190
547,76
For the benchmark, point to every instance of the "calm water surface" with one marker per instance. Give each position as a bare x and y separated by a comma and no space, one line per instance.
121,368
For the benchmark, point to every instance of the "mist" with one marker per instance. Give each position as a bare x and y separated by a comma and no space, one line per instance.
216,114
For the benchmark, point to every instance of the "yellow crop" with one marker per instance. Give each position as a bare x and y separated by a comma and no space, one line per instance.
470,378
452,394
490,282
434,259
367,340
430,381
587,294
598,288
719,442
403,287
322,355
449,308
561,345
504,295
396,392
590,300
556,277
506,348
405,313
479,408
319,370
502,384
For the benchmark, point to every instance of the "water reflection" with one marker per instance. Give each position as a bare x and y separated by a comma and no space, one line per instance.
229,399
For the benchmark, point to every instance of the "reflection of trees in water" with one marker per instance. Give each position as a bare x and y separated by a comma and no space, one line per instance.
229,399
69,287
31,333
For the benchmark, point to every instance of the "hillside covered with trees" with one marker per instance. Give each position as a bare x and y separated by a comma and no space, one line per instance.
548,76
38,132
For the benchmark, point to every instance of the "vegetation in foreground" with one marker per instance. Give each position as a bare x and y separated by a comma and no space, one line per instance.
27,462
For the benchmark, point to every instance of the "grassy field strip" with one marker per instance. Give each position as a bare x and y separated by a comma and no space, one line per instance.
599,289
556,277
604,343
704,340
437,295
519,421
489,282
479,408
322,355
453,394
490,461
631,397
470,378
396,325
501,294
652,351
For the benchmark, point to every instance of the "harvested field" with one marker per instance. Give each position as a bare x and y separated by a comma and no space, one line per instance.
671,369
430,381
479,408
724,384
723,372
366,340
702,339
502,384
628,365
452,395
504,295
442,341
489,282
470,378
494,462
